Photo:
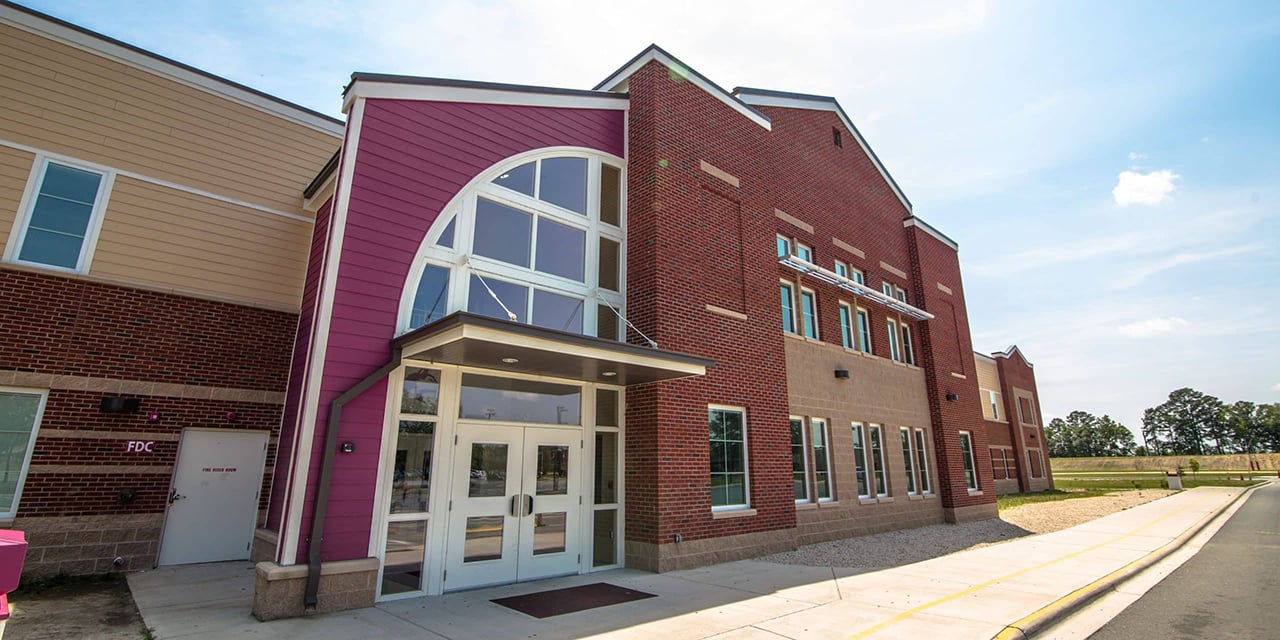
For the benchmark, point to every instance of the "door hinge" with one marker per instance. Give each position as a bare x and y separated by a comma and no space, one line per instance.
450,505
455,439
580,445
579,558
579,499
446,574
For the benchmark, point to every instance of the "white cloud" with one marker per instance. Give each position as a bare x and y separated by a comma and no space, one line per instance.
1138,275
1135,156
1275,387
1151,327
1144,188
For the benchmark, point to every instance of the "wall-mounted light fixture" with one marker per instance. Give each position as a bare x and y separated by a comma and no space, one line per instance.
347,447
843,374
952,397
119,404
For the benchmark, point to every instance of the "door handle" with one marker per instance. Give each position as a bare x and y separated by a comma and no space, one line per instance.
174,496
511,507
529,508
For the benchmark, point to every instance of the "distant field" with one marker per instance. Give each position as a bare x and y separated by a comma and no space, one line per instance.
1234,463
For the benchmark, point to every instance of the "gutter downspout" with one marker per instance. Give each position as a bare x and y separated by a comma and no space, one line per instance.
326,474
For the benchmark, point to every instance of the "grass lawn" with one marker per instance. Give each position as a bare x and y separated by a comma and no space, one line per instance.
1089,484
1011,500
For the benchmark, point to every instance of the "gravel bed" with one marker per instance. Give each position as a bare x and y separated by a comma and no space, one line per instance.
897,548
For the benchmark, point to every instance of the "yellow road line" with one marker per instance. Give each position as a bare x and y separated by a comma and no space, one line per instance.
978,587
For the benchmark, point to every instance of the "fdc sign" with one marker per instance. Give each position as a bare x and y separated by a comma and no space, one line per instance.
138,446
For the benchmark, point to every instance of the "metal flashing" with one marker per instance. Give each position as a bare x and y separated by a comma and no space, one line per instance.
912,221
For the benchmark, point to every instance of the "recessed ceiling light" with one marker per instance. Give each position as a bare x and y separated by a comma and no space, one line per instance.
609,374
511,360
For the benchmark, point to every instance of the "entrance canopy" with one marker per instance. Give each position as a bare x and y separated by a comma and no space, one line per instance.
468,339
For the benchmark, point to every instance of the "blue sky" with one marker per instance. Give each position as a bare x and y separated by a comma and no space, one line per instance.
1111,170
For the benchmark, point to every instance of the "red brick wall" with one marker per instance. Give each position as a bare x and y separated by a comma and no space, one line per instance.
694,240
52,324
1015,371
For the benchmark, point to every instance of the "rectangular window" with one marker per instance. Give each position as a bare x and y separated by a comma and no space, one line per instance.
20,414
877,459
728,444
860,461
908,460
784,247
856,276
900,294
809,313
842,269
62,219
998,470
517,400
922,462
886,288
1025,412
970,468
908,352
788,307
864,332
821,459
804,253
799,460
846,328
894,352
993,400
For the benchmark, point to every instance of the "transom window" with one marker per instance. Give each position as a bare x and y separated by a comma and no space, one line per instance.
540,240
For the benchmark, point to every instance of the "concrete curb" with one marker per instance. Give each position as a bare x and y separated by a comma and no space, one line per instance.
1056,611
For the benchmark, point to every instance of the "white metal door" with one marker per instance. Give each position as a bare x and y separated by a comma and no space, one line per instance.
213,500
514,505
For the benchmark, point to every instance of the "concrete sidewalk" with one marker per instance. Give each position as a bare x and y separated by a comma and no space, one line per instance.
982,593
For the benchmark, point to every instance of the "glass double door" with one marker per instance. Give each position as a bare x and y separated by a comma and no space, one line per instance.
515,505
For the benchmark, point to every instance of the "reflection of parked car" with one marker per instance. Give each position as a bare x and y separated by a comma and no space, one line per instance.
478,474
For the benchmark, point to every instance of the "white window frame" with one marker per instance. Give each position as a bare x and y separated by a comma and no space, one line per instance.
784,243
886,288
967,457
922,462
895,351
856,275
908,461
30,195
807,319
31,445
865,342
792,312
908,351
798,246
858,437
842,269
462,262
848,338
993,402
820,425
877,452
804,450
746,458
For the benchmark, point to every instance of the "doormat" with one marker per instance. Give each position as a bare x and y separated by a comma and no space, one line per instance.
556,602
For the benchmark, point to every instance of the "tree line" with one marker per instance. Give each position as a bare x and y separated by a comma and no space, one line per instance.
1188,423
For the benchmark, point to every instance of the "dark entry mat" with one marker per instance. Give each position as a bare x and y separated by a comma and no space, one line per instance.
545,604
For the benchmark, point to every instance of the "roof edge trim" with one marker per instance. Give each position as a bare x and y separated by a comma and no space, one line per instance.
1010,350
788,100
913,221
618,81
73,35
396,87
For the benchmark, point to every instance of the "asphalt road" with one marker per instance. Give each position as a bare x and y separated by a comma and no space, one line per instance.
1230,589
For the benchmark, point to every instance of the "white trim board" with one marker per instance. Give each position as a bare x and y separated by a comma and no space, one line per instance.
618,81
516,95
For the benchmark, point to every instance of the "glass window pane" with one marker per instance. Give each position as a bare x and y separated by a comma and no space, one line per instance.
908,462
432,298
606,407
799,472
554,311
606,468
610,257
605,538
860,460
784,247
488,470
877,459
54,249
846,331
562,249
804,253
548,533
411,476
61,216
788,314
518,179
514,296
502,233
922,457
514,400
864,332
610,195
809,313
727,457
17,424
403,557
606,323
553,471
563,181
821,461
484,539
446,236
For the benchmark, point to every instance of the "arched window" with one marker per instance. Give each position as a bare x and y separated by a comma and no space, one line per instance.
539,238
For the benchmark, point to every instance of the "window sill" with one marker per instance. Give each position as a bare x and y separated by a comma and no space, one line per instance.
732,513
829,504
866,500
975,492
885,500
6,523
915,497
806,506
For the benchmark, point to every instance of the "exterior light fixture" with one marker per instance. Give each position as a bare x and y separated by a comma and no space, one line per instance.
843,374
511,360
609,374
951,397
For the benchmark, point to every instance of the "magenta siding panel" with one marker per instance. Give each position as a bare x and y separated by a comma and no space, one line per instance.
413,158
297,366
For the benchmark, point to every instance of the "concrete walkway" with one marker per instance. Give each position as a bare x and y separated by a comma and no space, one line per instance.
998,590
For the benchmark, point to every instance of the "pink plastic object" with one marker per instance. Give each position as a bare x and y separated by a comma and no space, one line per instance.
13,551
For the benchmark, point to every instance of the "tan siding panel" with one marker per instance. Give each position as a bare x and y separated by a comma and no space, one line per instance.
171,239
15,169
75,103
988,375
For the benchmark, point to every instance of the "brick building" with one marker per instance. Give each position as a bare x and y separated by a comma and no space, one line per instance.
506,332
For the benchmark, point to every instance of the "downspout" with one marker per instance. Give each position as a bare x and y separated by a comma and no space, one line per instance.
326,474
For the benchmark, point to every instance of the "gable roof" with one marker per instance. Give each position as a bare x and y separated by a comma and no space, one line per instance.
788,100
1008,353
617,81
